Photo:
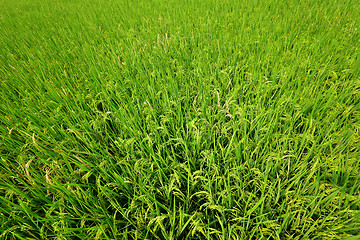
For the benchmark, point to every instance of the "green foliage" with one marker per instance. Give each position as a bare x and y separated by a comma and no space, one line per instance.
173,119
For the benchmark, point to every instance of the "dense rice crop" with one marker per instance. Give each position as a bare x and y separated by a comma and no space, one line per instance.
191,119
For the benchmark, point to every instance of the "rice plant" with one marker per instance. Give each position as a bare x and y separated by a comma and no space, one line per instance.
155,119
